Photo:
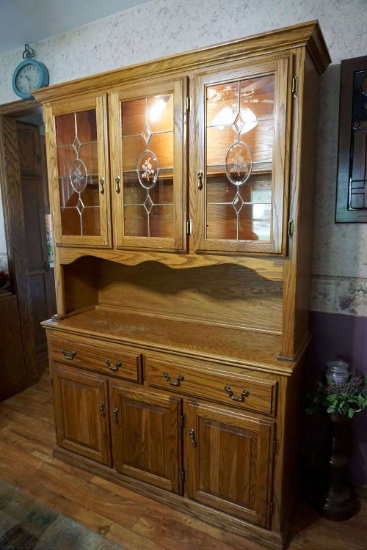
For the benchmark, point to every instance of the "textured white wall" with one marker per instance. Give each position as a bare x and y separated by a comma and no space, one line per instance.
164,27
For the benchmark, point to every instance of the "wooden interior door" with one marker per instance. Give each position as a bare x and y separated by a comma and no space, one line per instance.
41,279
11,192
13,374
146,436
81,413
229,461
37,255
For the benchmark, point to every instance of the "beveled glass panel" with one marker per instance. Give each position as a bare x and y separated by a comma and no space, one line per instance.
91,221
162,145
221,222
239,156
161,220
162,192
147,161
87,126
132,148
91,193
219,189
160,113
89,154
135,221
133,117
134,193
222,104
65,157
77,162
68,197
70,221
65,129
219,140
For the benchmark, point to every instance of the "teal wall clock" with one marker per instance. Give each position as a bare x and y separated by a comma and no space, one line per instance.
29,75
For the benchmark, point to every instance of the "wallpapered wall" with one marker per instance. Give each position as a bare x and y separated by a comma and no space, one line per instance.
165,27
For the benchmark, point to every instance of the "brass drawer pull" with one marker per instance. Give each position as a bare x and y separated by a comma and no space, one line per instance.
101,410
245,393
192,437
69,357
118,364
179,379
115,413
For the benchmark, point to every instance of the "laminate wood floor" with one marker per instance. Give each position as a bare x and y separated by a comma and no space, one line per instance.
126,518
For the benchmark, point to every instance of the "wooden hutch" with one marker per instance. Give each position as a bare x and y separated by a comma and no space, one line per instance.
182,196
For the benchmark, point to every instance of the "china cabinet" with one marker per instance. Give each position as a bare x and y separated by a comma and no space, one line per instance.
181,193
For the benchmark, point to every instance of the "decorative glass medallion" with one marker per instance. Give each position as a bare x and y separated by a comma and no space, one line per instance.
78,175
147,168
238,163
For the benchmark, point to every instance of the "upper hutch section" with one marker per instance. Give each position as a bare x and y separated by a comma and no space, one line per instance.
193,161
185,154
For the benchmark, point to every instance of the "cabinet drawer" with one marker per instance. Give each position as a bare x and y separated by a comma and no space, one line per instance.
88,354
237,389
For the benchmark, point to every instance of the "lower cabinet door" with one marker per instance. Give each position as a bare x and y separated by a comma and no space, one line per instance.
146,436
229,461
81,409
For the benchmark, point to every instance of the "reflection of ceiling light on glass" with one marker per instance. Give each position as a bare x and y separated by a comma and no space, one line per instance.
225,117
249,119
157,109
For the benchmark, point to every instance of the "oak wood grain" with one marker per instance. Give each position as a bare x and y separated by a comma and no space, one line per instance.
11,192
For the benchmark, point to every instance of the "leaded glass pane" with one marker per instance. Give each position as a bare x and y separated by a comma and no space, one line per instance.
77,161
147,161
239,158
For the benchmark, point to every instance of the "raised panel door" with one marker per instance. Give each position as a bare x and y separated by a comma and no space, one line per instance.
229,461
239,180
29,149
78,171
146,436
81,413
148,165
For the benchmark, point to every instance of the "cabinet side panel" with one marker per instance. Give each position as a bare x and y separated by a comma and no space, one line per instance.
297,270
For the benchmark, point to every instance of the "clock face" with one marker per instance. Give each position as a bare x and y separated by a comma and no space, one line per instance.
27,78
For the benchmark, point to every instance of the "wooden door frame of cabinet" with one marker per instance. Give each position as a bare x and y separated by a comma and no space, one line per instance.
99,103
97,381
264,428
178,88
281,66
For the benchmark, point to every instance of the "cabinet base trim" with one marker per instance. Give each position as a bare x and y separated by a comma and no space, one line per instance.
242,528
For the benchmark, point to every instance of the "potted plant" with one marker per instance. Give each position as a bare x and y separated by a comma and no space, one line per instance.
328,395
340,392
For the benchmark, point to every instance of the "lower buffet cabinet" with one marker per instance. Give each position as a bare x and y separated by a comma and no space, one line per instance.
216,455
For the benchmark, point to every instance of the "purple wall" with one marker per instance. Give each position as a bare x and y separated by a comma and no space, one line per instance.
336,336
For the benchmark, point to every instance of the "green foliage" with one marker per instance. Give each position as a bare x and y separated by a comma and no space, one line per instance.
344,400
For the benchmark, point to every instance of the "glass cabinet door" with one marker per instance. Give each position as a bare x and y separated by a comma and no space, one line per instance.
80,177
239,183
148,170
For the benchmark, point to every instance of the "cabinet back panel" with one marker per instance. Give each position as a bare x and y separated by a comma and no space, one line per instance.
228,294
